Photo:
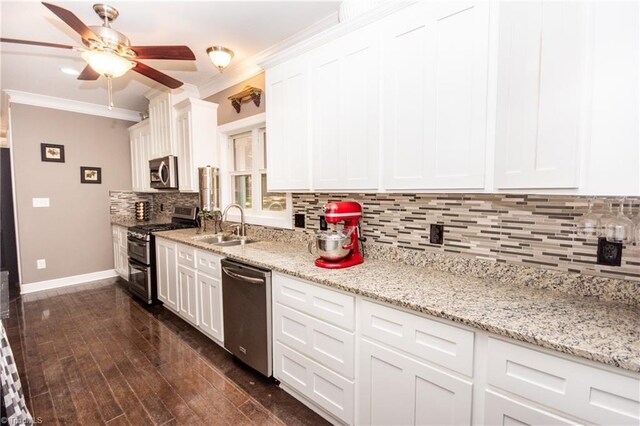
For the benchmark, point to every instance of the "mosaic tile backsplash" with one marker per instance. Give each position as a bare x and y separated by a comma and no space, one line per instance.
122,203
527,230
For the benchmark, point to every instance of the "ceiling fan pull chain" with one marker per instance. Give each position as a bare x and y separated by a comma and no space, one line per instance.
110,92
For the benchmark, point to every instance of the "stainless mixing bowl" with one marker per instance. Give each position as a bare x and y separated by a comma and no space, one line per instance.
330,246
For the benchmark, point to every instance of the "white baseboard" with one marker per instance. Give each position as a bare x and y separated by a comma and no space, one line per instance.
67,281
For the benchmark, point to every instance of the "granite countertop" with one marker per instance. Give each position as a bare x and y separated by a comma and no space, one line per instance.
128,221
602,331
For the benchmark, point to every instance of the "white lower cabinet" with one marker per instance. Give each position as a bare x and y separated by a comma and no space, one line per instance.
590,393
188,299
406,368
396,389
120,254
504,411
321,386
210,296
189,283
314,345
167,273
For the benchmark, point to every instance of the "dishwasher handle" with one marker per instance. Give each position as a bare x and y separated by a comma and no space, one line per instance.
237,276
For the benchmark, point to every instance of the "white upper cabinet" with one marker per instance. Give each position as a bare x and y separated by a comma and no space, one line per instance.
196,124
462,96
435,96
161,119
344,112
140,138
541,93
287,97
187,130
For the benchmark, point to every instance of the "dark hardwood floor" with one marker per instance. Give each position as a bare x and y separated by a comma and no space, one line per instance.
92,355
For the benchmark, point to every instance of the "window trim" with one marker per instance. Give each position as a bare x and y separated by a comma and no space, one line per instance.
225,133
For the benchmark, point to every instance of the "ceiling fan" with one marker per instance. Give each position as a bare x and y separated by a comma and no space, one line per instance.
109,52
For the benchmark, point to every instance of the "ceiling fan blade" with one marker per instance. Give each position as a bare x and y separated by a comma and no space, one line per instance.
156,75
88,74
182,53
35,43
73,21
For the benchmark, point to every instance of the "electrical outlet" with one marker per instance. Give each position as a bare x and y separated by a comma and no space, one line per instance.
436,234
609,253
41,263
298,220
323,223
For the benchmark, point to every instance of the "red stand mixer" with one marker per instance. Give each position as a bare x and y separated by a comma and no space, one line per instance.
340,248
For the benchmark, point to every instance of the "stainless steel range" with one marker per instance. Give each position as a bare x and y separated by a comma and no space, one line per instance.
142,251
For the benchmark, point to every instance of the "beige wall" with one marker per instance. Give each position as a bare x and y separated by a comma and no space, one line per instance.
226,113
74,233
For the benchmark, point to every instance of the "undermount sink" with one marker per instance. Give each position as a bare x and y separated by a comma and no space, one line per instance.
225,240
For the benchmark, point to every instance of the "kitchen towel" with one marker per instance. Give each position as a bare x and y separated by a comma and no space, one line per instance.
14,408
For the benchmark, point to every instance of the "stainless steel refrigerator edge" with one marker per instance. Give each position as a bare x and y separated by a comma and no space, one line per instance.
246,306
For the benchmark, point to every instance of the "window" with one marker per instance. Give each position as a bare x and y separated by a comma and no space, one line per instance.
246,155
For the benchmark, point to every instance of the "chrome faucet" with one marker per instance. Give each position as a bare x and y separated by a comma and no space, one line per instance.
242,230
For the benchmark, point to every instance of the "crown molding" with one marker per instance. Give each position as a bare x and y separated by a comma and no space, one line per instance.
33,99
248,68
195,101
376,13
188,90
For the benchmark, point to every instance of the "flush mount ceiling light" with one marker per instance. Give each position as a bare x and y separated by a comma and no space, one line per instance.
106,63
220,56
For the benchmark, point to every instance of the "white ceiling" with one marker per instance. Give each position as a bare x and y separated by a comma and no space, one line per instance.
245,27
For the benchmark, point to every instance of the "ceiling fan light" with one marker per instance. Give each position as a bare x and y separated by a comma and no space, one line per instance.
220,56
70,71
107,64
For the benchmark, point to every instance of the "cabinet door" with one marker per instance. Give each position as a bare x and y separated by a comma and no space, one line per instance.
185,159
160,117
344,112
540,93
435,58
116,251
323,387
210,296
135,160
394,389
188,299
503,411
167,276
123,264
140,146
287,96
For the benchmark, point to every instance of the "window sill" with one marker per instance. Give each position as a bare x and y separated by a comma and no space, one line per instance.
284,222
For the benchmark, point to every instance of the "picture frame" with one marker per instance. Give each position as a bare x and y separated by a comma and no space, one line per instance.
52,153
90,174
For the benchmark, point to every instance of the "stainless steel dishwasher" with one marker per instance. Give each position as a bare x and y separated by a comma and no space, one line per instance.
246,303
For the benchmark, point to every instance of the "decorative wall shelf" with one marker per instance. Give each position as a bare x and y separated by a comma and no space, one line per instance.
248,94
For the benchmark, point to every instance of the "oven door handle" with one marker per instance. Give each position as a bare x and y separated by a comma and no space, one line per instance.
237,276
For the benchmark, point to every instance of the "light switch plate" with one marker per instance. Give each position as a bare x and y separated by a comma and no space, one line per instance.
41,263
40,202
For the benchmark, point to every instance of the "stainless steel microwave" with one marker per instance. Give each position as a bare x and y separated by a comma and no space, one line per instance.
163,172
